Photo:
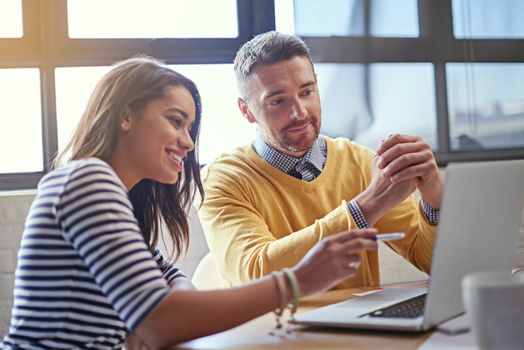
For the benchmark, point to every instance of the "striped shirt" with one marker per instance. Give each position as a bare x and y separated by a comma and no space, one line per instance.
85,276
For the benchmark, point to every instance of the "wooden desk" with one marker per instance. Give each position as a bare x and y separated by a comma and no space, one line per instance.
254,334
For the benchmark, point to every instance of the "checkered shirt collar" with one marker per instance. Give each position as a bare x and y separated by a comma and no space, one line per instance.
316,155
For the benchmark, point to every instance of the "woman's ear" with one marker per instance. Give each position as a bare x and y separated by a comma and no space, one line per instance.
127,120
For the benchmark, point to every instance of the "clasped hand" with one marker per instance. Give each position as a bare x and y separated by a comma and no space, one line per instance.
401,165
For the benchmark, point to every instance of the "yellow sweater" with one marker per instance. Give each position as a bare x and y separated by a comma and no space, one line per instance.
258,219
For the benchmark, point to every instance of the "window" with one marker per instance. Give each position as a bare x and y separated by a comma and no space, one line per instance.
152,19
11,25
486,105
223,127
450,71
21,131
73,88
394,18
347,18
52,53
483,19
387,105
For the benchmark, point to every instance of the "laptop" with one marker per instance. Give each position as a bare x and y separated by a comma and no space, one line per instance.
480,216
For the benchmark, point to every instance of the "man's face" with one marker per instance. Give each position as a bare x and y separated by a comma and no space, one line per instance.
282,98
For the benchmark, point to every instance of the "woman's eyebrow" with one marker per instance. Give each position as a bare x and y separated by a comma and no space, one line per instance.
178,110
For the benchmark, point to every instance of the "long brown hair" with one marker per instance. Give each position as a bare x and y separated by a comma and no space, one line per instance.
133,83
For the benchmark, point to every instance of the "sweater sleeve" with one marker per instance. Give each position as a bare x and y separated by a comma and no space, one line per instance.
417,246
408,217
241,242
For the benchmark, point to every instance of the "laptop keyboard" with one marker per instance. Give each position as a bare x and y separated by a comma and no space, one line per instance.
410,308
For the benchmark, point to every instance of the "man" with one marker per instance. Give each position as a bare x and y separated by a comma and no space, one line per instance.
268,203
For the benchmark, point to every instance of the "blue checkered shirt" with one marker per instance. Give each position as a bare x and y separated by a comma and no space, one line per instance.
310,165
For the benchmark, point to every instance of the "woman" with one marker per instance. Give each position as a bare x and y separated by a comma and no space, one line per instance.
89,271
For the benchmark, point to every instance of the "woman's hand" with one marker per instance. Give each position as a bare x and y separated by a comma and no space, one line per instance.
333,259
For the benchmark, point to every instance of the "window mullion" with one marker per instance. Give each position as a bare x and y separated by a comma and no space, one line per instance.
49,123
443,137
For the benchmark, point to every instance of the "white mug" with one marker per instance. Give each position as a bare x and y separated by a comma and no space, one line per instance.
494,303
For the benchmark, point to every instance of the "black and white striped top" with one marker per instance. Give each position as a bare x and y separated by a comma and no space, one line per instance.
85,276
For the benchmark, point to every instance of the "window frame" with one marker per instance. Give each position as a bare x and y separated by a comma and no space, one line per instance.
436,44
45,45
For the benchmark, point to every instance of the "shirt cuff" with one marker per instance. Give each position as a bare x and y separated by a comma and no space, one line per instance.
432,215
355,211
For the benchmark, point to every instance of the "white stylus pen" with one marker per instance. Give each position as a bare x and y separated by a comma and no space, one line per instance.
390,236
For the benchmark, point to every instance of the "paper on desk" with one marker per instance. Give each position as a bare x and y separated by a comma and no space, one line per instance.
451,335
439,341
368,292
459,324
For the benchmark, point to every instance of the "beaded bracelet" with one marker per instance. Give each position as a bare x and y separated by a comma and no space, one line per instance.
278,276
294,288
281,288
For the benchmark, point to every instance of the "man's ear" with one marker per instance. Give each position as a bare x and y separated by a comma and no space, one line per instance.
127,120
244,109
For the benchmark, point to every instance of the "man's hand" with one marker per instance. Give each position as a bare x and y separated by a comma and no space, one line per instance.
402,164
382,195
404,158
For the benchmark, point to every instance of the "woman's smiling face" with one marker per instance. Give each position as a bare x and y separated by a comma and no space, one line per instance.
156,140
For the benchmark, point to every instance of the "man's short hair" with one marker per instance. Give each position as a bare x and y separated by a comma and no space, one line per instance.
265,49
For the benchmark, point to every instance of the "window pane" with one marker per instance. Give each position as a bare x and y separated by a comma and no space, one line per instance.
222,129
223,126
74,85
389,18
488,19
486,105
21,131
11,25
152,19
322,18
394,18
366,103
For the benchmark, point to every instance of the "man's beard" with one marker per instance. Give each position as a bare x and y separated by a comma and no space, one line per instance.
291,145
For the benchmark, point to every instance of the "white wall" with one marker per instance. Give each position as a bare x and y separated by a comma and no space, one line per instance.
14,207
197,246
13,210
